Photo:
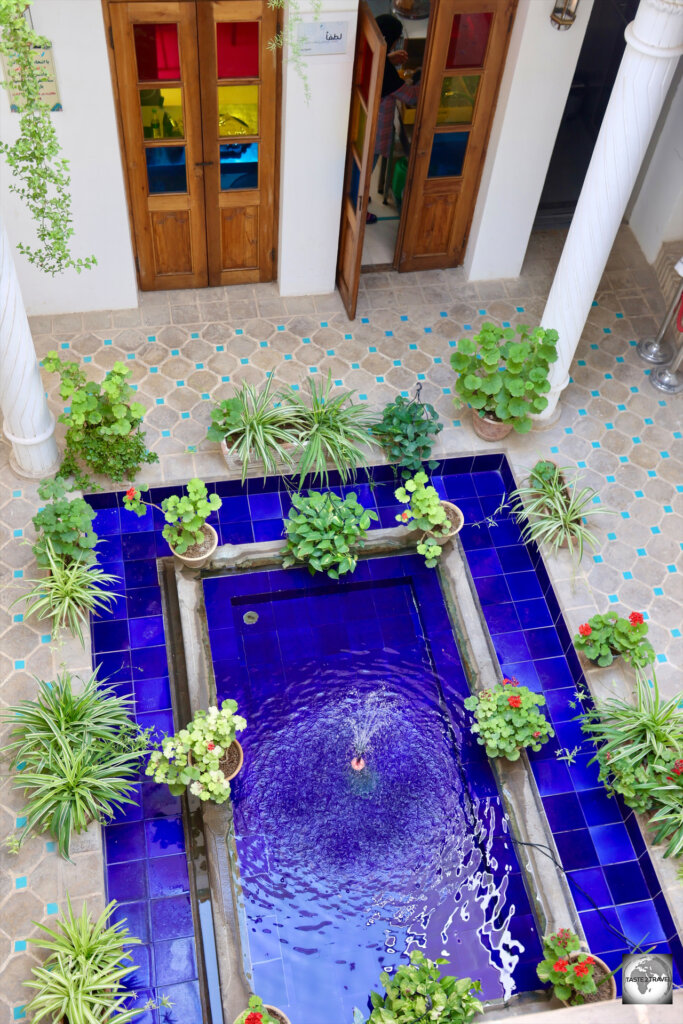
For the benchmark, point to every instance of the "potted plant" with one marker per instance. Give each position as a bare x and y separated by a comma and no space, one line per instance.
553,511
419,992
205,755
66,523
605,637
325,532
191,539
439,520
504,378
407,432
259,1012
103,424
576,977
507,719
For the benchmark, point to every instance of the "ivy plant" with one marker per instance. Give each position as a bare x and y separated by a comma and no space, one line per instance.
507,719
325,531
185,514
41,175
103,423
419,992
604,637
505,376
407,432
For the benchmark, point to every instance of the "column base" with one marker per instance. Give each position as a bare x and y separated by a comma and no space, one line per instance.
34,457
552,419
38,470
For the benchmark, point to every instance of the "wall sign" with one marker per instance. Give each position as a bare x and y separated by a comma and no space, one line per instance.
49,90
323,37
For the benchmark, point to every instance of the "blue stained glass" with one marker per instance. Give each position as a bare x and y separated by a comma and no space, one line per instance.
239,165
166,170
448,154
354,183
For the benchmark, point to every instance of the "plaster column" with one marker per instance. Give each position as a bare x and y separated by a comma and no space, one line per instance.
654,42
28,423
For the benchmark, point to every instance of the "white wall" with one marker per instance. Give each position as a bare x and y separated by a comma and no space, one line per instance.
312,156
538,74
657,214
88,134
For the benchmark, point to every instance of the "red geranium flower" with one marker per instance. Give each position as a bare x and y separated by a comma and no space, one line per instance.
253,1018
561,966
636,618
536,735
580,970
515,701
585,629
678,767
210,746
404,516
589,960
131,494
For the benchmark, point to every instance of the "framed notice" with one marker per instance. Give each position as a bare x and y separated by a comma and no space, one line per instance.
49,90
323,37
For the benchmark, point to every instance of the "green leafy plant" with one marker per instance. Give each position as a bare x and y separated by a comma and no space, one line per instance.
507,719
42,178
80,754
103,423
572,978
69,594
426,512
193,756
82,979
554,512
66,523
185,515
256,1013
325,532
419,992
604,637
407,432
504,376
288,37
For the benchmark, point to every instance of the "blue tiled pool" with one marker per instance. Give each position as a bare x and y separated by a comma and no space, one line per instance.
599,840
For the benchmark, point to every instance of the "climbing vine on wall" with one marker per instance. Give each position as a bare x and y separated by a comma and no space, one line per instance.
42,175
289,36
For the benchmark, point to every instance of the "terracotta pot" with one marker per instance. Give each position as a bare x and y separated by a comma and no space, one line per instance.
489,428
197,561
279,1015
456,519
226,758
606,991
587,664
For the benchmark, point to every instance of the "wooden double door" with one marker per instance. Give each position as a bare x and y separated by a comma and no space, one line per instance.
196,84
465,52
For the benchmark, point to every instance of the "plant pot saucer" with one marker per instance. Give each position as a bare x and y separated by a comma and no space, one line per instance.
488,428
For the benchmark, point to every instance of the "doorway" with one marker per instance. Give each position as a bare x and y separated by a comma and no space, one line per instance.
196,90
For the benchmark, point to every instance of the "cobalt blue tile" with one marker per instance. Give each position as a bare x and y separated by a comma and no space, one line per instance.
134,917
110,636
124,842
599,807
640,922
524,672
488,483
265,506
523,586
589,888
515,559
144,601
490,461
141,959
612,843
492,589
129,811
224,644
149,661
554,673
570,735
481,780
228,488
576,849
505,532
164,836
501,617
117,610
171,918
564,812
234,509
626,882
559,704
162,550
184,998
510,647
106,522
236,533
552,777
461,486
107,499
126,881
168,876
601,928
158,801
257,485
522,928
533,614
584,774
152,694
141,1000
175,961
475,536
138,545
146,632
109,549
543,643
483,562
525,977
142,573
160,724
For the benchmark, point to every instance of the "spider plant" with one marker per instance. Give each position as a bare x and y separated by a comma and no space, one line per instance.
81,981
69,594
80,755
333,430
256,427
554,512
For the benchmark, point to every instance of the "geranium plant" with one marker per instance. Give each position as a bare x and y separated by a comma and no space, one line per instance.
507,719
185,514
504,376
192,756
257,1013
66,523
572,978
419,992
425,512
606,636
325,532
407,432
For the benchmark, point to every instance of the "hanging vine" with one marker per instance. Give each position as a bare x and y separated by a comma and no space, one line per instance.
42,175
289,36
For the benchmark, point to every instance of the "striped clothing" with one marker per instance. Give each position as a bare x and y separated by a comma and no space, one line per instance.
407,93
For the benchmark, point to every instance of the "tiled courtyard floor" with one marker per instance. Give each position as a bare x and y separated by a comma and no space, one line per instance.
187,349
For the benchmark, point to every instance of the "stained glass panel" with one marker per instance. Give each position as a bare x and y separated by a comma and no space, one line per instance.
156,51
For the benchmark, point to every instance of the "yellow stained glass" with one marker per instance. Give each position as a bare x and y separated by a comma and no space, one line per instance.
162,113
238,110
458,94
361,118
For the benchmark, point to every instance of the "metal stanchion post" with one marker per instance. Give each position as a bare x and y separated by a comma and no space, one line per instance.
666,378
657,350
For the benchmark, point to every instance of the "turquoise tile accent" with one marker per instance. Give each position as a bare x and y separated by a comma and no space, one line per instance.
372,348
269,373
244,361
619,316
438,359
593,303
389,334
151,337
18,574
295,387
452,344
184,415
240,331
406,394
220,348
348,337
16,494
596,394
428,330
467,327
568,430
160,401
665,455
652,472
397,362
194,334
650,421
52,908
312,369
621,408
623,458
627,575
305,341
607,330
625,515
597,559
363,398
45,638
18,533
506,323
330,352
668,509
130,355
520,309
633,390
675,633
380,380
355,366
87,359
482,312
421,376
639,494
18,618
19,1012
594,347
404,318
20,945
206,395
180,383
51,846
263,344
443,314
21,821
555,450
280,327
154,369
655,529
657,591
611,536
671,568
581,362
662,658
456,423
366,319
165,433
412,346
21,882
641,552
288,357
608,376
446,391
192,447
19,664
677,433
323,323
595,444
339,383
175,351
636,440
609,426
107,341
613,598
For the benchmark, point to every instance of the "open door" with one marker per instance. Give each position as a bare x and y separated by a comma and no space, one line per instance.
464,61
368,70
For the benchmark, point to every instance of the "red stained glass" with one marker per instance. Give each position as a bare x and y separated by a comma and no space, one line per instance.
469,36
156,49
365,71
237,49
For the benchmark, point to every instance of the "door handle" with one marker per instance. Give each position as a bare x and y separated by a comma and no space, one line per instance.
204,163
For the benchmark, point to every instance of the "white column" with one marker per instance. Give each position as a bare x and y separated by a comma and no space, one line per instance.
654,42
28,423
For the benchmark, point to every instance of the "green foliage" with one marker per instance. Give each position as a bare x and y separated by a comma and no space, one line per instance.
185,515
425,512
554,513
82,979
103,423
67,524
572,979
418,992
69,594
80,754
256,1005
407,432
42,178
503,376
325,531
192,757
604,637
507,719
288,37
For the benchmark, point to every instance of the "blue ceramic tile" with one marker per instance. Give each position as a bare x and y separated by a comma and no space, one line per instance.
589,888
110,636
143,975
234,509
159,722
510,647
164,836
144,601
146,632
505,532
501,617
524,672
265,506
138,545
571,735
129,811
584,774
113,667
612,843
483,562
168,876
172,918
515,559
175,961
106,523
126,881
559,703
492,590
236,533
149,661
142,573
131,522
554,673
598,926
626,882
599,807
523,586
576,849
133,916
187,1006
543,643
564,812
124,842
533,614
640,922
152,694
158,801
488,483
552,777
109,549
